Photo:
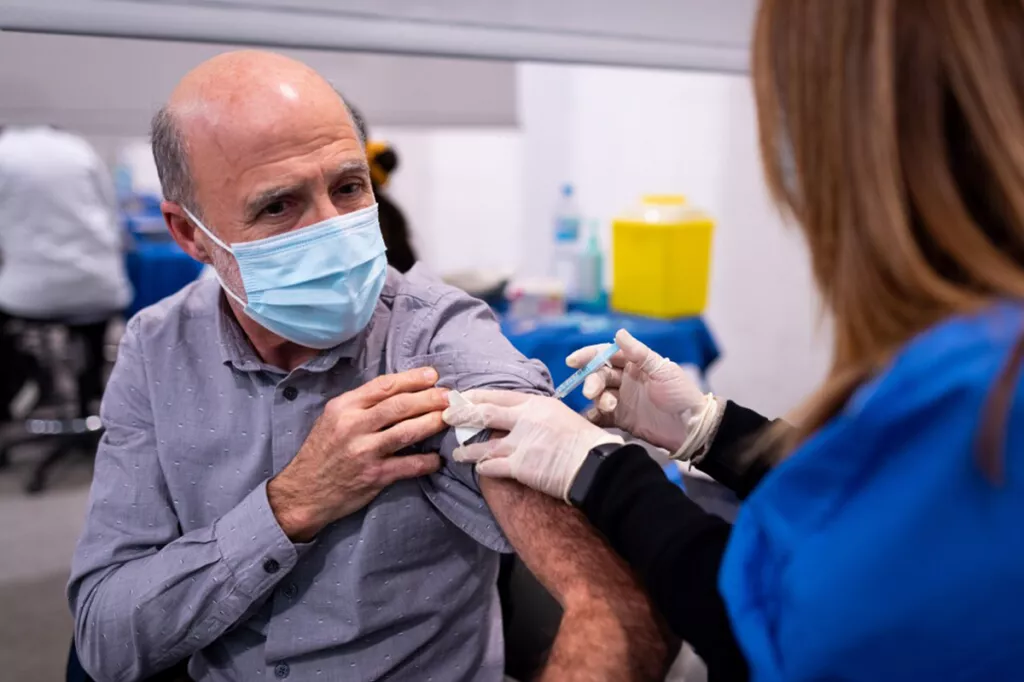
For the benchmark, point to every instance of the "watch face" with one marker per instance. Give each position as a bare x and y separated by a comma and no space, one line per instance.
585,478
605,449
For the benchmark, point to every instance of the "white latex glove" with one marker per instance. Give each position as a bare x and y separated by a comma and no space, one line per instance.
546,442
649,397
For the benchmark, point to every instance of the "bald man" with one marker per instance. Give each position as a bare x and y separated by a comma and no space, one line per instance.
274,496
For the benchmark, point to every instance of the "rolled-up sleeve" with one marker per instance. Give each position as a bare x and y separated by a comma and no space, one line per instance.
460,337
145,596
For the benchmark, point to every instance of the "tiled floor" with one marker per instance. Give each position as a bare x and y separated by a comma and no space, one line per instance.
37,537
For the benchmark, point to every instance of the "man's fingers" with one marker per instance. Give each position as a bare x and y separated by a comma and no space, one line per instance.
580,358
601,380
408,432
383,387
409,466
404,406
492,397
482,416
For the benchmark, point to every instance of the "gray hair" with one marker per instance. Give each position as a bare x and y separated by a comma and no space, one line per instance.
170,151
171,155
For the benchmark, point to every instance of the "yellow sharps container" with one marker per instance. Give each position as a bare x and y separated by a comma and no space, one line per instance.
661,257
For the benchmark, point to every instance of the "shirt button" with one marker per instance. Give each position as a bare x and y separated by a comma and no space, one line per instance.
281,671
291,590
271,566
291,393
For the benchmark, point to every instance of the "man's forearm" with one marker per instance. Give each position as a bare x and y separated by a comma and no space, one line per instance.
596,643
609,630
138,616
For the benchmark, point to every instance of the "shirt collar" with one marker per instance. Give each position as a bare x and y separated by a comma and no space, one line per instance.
236,350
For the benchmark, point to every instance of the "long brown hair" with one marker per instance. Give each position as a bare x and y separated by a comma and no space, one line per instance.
892,131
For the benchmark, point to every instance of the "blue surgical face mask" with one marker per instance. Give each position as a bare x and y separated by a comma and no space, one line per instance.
316,286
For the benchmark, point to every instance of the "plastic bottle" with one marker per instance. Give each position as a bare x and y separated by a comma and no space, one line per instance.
124,188
566,241
590,268
123,185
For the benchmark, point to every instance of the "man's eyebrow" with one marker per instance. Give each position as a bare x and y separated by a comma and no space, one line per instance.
347,167
268,196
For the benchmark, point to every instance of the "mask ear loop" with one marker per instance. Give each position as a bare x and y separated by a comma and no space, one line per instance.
216,240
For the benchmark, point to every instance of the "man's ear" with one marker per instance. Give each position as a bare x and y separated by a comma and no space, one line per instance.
183,231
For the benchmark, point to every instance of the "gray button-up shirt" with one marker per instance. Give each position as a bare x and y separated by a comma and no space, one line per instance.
181,555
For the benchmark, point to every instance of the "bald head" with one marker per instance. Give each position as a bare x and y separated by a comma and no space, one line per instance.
255,145
231,97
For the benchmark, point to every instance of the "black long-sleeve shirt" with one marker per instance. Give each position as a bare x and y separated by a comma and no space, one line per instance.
675,547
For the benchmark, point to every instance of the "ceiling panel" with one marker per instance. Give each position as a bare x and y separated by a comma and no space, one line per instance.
112,86
684,34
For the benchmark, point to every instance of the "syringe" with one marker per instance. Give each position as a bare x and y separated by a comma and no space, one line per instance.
599,361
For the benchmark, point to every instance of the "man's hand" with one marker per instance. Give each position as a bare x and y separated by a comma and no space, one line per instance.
348,457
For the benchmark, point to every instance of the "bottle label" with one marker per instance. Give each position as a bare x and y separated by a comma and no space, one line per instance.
567,229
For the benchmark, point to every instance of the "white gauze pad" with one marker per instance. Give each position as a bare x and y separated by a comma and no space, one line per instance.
462,433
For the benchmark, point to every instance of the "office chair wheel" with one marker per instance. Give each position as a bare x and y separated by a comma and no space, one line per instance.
35,484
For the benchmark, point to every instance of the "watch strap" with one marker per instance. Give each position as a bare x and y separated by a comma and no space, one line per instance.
584,479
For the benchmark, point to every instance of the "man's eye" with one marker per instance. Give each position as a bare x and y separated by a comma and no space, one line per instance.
275,209
348,188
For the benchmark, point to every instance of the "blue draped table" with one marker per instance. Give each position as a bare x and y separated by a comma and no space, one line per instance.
158,269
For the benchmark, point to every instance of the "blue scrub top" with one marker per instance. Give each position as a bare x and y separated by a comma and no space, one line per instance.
878,550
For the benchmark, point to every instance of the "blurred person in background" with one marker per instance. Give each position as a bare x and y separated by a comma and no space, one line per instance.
61,253
383,160
881,538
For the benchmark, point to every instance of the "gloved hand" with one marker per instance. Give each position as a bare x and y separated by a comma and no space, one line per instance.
546,442
649,397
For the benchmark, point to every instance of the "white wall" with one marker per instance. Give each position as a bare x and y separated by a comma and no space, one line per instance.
546,117
763,309
460,189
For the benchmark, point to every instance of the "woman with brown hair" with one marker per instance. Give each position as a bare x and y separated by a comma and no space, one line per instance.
881,538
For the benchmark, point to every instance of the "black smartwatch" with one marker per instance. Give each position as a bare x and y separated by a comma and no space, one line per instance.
584,480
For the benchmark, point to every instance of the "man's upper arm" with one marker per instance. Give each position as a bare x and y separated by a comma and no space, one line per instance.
554,540
129,512
459,337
